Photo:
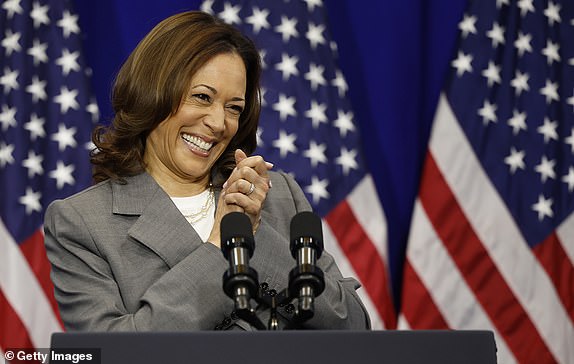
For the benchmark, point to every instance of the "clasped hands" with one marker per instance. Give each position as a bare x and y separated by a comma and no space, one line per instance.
244,191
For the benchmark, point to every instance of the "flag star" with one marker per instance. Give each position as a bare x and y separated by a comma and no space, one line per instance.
571,62
543,207
288,66
39,14
11,42
207,6
285,107
523,43
69,24
12,7
340,83
515,160
259,135
287,28
230,13
550,90
525,7
315,76
285,143
467,25
569,179
462,63
517,122
38,52
38,89
93,109
34,164
317,114
315,35
316,153
89,146
546,169
6,156
520,82
347,160
552,12
7,117
262,55
67,99
262,92
68,61
31,200
496,34
344,122
9,80
492,73
333,46
488,112
570,140
570,100
548,129
63,175
318,189
36,127
258,19
499,3
312,3
64,137
551,52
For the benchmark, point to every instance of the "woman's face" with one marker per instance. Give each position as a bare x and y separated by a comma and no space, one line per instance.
184,147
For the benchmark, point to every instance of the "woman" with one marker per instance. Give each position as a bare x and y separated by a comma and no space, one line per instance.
139,250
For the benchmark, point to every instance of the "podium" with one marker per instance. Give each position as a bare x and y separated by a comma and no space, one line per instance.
286,347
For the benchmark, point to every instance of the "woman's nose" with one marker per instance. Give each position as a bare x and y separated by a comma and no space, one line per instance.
215,119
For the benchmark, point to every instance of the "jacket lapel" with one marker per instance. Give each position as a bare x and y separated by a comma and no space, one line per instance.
160,225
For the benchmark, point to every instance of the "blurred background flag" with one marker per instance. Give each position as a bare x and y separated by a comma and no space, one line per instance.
46,117
307,129
492,235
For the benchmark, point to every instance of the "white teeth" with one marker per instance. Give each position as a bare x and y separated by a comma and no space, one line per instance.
198,142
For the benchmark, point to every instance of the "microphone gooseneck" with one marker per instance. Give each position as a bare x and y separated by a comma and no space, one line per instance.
237,244
306,280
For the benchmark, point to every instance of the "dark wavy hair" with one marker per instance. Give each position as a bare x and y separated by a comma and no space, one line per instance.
152,83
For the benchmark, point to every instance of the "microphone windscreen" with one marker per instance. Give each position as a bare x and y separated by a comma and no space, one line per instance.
237,225
307,224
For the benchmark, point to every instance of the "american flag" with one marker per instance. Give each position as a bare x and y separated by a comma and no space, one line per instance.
46,115
492,236
307,129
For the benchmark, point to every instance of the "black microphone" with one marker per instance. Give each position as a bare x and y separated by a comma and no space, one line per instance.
306,280
240,281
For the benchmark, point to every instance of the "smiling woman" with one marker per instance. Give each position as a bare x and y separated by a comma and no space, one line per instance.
139,250
155,82
182,149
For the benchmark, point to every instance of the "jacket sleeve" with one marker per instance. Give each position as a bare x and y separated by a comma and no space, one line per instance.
187,296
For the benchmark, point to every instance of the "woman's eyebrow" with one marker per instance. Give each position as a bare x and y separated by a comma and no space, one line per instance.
215,91
204,85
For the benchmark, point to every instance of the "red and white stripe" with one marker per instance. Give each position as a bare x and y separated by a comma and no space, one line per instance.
355,234
28,314
469,264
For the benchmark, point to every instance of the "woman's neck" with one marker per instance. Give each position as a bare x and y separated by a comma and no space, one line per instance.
179,187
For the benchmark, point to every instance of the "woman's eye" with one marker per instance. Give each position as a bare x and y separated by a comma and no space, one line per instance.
202,97
236,109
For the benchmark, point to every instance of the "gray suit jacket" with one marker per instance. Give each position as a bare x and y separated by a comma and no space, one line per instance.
124,258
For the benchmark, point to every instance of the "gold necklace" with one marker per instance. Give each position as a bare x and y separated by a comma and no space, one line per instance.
202,213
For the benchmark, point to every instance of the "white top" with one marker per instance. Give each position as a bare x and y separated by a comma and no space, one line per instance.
199,210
